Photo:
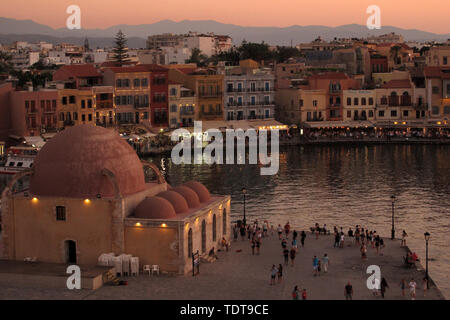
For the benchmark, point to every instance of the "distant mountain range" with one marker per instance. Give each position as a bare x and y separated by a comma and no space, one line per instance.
27,30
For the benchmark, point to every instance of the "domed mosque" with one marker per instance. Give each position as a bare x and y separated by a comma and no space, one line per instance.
88,196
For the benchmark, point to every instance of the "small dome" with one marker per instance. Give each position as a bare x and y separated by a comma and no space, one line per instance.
200,190
190,196
155,208
177,200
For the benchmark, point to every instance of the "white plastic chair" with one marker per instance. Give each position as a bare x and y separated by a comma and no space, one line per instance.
155,269
147,269
134,266
126,263
118,265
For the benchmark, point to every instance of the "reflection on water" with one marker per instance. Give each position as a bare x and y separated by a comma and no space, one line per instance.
344,186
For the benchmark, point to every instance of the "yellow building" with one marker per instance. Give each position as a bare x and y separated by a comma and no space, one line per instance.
91,105
182,104
88,196
207,86
359,105
314,105
437,80
395,101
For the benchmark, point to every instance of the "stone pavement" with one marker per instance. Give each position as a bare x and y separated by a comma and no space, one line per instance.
242,276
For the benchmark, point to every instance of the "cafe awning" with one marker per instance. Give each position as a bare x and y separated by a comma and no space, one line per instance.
338,124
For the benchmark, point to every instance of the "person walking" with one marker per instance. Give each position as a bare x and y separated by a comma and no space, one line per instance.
258,245
304,294
315,265
412,289
302,238
280,273
348,291
363,251
280,231
235,232
337,238
253,244
425,286
292,254
273,274
403,286
341,240
404,236
325,263
286,256
296,294
287,228
383,286
242,231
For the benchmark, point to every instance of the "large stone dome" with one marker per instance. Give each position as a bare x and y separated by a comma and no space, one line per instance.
71,164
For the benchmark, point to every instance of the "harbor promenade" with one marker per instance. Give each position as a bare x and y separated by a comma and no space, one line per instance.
239,275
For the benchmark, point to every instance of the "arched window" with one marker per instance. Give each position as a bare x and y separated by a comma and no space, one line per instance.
203,236
224,222
190,242
214,228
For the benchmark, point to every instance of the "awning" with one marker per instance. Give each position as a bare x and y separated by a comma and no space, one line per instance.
35,141
338,124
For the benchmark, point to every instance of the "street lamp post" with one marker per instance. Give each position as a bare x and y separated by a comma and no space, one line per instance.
393,228
244,191
427,237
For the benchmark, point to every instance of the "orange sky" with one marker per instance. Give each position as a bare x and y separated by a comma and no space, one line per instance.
427,15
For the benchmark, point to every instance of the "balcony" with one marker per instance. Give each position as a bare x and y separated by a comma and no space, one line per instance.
105,104
141,105
210,95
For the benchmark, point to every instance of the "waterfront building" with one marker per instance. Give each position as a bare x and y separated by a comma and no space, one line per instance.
334,83
250,92
159,91
359,105
94,105
93,198
131,92
182,103
395,101
437,82
33,112
207,86
78,76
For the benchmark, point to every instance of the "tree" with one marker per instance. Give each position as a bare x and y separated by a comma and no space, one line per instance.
120,51
255,51
197,57
5,62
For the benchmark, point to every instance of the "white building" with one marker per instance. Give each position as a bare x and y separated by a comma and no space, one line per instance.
249,92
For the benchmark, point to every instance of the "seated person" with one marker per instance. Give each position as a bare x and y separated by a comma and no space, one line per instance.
414,257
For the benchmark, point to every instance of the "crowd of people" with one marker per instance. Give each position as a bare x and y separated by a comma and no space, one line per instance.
291,240
374,134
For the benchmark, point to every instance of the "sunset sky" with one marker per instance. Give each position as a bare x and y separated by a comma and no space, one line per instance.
427,15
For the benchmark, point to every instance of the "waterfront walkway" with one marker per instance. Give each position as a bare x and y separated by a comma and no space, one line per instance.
242,276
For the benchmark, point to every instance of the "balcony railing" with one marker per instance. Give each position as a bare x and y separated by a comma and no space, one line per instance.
141,105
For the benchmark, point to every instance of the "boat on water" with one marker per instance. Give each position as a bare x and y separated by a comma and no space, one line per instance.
18,159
